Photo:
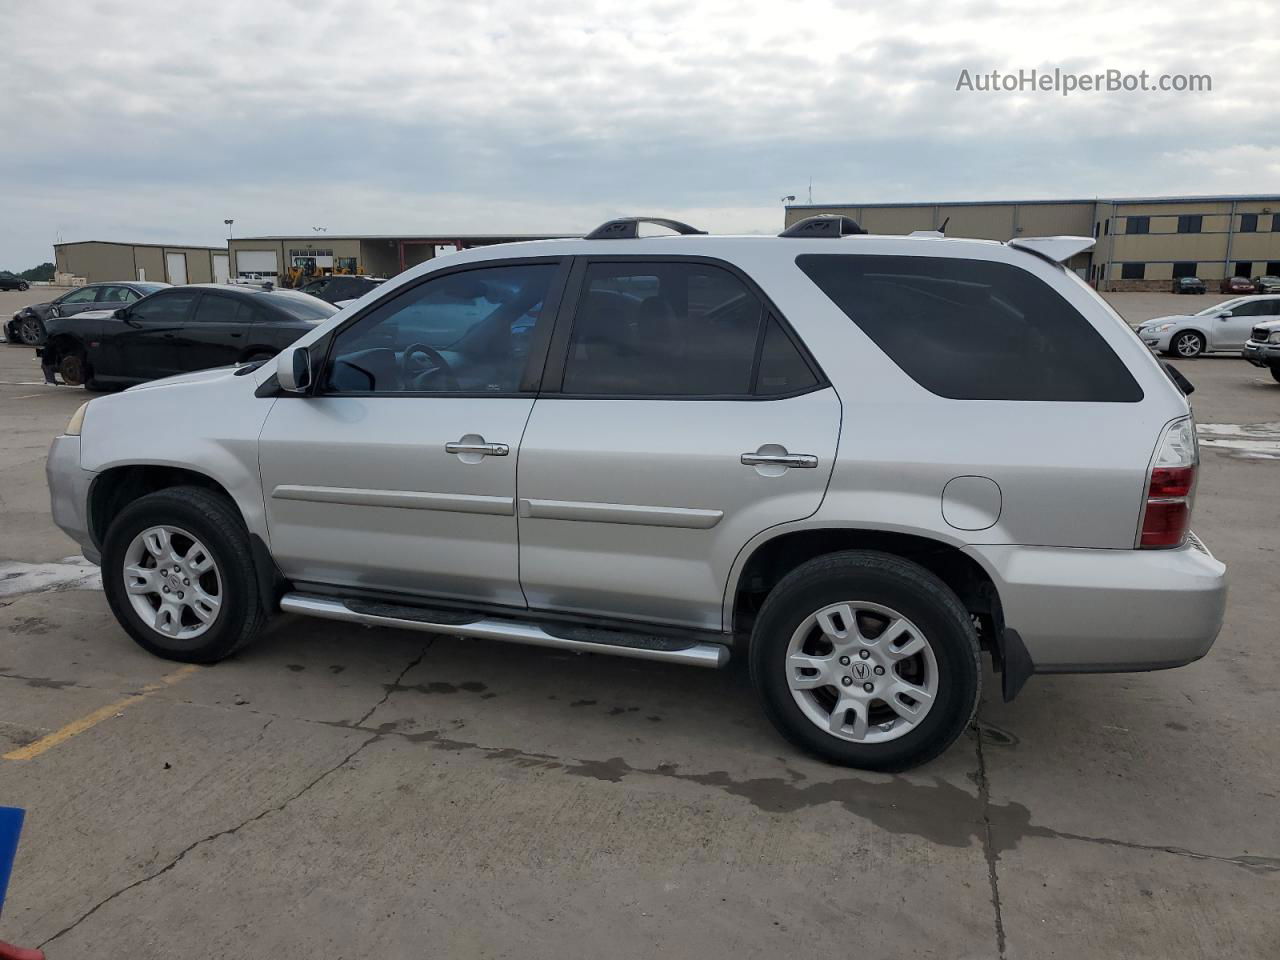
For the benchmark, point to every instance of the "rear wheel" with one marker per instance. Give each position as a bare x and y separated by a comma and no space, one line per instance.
866,660
1186,344
1275,372
179,575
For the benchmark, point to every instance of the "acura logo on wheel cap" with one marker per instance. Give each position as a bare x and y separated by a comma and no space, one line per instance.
861,670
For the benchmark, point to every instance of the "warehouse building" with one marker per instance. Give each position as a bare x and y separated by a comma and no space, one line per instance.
97,261
289,259
1142,243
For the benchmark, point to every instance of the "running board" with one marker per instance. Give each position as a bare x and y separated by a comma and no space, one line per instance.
617,643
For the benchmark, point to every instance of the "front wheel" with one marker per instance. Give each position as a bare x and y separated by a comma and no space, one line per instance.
1275,372
867,660
24,286
31,331
1188,344
179,575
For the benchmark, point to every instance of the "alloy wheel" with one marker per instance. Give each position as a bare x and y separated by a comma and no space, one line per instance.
29,331
862,672
173,582
1187,345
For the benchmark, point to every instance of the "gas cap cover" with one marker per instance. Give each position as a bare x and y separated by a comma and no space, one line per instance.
971,503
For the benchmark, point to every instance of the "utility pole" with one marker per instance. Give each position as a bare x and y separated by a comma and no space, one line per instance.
228,223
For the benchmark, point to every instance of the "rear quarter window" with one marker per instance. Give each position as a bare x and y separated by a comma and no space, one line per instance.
974,329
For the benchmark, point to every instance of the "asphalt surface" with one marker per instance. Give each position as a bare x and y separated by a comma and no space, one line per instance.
345,792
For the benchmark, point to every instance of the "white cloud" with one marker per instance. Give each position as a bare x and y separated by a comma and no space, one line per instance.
155,120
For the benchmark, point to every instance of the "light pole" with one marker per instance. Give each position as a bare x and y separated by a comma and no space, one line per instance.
228,223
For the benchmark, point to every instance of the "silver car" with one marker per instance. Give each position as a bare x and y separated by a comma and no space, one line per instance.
1223,327
857,461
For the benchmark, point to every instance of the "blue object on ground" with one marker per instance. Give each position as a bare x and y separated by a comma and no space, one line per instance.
10,828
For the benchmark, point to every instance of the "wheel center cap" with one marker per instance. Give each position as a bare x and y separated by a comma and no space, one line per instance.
175,581
861,670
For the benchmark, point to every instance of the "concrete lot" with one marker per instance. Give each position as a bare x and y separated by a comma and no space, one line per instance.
344,792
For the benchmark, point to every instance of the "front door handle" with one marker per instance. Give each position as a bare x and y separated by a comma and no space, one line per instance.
804,461
475,445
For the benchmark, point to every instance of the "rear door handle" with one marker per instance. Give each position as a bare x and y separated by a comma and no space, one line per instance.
804,461
466,445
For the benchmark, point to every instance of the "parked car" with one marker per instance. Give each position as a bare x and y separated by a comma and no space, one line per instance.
177,330
1237,285
1267,284
1188,285
341,288
11,281
765,445
27,325
1263,347
1222,327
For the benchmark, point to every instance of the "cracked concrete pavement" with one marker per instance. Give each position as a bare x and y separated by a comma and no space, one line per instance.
350,792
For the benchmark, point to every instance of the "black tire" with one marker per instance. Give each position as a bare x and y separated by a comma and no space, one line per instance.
74,368
1173,350
1275,372
24,286
906,587
217,523
30,331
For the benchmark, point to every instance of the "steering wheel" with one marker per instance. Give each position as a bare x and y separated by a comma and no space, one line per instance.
420,361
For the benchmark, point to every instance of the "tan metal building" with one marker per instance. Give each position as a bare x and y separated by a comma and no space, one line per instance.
379,256
1143,242
99,260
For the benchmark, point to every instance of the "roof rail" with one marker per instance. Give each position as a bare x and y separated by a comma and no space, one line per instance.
1053,249
628,228
823,225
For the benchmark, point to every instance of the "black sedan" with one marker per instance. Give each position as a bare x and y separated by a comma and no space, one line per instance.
10,281
1188,285
178,330
28,324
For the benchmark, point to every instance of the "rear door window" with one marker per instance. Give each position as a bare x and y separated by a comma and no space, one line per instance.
974,329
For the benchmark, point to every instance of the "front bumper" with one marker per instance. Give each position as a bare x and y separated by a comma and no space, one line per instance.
1109,611
69,493
1261,354
1159,342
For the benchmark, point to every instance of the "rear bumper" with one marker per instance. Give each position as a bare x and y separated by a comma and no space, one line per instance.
69,493
1109,611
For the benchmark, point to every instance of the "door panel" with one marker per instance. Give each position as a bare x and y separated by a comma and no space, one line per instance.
637,508
1230,333
360,491
216,335
143,345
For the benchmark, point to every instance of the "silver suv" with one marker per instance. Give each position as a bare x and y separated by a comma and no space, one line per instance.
857,461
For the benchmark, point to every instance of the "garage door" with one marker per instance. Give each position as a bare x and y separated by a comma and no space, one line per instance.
256,261
175,264
221,273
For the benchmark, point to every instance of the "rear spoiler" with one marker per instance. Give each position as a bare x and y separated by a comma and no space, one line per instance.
1053,249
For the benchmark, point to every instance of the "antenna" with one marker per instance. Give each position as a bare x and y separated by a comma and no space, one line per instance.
810,189
943,227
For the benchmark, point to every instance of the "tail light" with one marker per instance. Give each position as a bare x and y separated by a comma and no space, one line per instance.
1171,487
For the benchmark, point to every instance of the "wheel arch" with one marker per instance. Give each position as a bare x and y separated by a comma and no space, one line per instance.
772,559
115,488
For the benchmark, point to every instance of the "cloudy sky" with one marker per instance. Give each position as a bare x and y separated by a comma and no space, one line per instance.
153,120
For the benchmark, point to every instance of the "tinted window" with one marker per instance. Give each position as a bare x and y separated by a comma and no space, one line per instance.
662,329
1133,271
783,369
1138,225
300,306
972,329
163,307
1248,222
215,309
117,295
1189,223
84,295
1252,308
468,332
1185,269
1244,268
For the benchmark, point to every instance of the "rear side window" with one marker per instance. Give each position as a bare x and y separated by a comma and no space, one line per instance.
974,329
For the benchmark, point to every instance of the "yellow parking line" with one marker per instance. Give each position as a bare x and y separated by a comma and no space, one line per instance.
32,750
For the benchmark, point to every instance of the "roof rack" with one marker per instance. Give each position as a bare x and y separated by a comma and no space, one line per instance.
628,228
825,225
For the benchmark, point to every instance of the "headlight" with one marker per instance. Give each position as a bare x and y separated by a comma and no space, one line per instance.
1275,337
77,420
1161,328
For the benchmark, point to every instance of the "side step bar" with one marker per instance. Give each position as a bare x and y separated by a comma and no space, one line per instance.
615,643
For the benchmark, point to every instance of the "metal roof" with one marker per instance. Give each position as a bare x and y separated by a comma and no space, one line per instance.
1220,198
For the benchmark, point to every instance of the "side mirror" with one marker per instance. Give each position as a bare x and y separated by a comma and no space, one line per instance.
293,369
120,314
1224,314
